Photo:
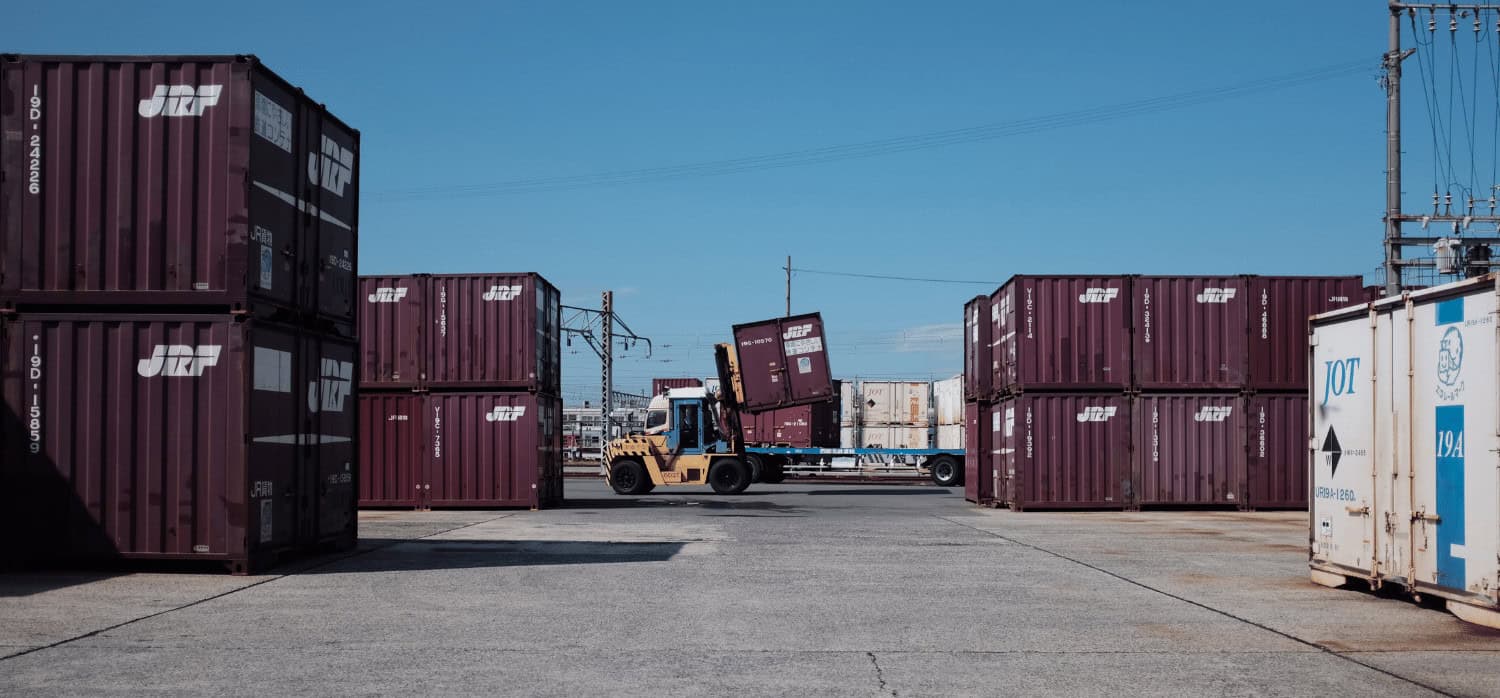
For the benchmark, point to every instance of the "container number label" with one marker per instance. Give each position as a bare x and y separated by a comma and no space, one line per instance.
34,142
34,411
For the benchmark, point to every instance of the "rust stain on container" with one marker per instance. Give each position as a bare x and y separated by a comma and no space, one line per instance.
1063,451
784,362
1190,449
493,331
391,329
176,436
1062,333
174,181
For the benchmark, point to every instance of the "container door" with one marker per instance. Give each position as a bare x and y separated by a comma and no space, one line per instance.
391,331
1345,513
392,447
978,478
330,445
330,163
275,263
277,489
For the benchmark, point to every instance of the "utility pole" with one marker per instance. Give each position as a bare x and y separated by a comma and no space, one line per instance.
1392,63
606,372
788,285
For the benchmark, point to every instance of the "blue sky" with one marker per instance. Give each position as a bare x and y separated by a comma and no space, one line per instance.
1286,181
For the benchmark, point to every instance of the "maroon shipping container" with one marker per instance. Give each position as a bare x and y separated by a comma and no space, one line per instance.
660,386
1062,333
783,362
391,330
173,181
979,364
393,438
803,426
1276,460
1063,451
1280,306
493,450
493,331
979,472
203,437
1191,331
1190,449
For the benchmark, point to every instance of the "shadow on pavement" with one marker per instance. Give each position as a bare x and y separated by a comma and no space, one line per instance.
411,555
885,491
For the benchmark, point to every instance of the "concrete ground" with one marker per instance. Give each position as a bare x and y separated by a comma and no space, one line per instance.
859,590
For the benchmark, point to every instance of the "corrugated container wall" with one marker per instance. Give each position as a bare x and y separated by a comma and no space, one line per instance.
948,400
493,331
783,362
174,181
1190,332
903,403
1279,308
979,365
495,449
1062,333
175,436
1276,454
804,426
391,332
1190,449
1403,414
979,474
660,386
393,435
885,437
1064,451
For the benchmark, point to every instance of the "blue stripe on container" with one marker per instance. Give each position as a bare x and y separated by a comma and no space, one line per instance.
1451,570
1450,311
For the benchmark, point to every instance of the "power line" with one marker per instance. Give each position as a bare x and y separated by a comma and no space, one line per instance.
888,146
892,278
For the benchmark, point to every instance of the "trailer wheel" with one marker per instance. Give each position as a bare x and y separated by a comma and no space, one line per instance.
775,471
729,476
628,476
757,465
946,471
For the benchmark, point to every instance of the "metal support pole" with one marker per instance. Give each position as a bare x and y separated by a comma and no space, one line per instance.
788,285
606,371
1393,157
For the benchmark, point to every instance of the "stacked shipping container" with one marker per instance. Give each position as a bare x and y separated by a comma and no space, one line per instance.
1183,390
176,311
460,389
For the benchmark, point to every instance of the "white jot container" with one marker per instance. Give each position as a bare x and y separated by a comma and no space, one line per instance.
1405,445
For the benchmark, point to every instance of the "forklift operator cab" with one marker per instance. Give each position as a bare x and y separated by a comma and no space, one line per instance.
683,445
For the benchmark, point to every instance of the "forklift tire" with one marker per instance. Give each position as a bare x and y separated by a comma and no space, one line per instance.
757,465
946,472
729,476
628,476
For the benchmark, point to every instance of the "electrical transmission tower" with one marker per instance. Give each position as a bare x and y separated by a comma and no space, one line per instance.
1458,233
602,330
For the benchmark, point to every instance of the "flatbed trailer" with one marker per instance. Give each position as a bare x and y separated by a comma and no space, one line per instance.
945,465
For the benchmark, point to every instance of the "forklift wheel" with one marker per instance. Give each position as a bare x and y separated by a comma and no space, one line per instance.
629,477
946,472
729,476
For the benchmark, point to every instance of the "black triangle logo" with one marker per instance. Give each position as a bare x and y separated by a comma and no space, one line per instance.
1332,450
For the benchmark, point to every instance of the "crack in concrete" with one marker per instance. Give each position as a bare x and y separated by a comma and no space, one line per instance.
880,675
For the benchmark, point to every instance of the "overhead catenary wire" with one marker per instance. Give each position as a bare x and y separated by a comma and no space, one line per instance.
888,146
887,277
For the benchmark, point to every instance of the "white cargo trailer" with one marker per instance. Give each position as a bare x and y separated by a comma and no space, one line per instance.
1405,444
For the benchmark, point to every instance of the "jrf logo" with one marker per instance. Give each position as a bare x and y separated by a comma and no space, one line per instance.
797,332
179,100
1098,295
1213,414
1338,377
333,169
502,293
329,392
385,294
505,414
1216,295
1096,414
179,360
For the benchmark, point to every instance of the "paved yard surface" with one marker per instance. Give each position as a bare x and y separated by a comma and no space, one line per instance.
793,590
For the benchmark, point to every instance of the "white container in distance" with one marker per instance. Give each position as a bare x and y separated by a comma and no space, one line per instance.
1404,447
